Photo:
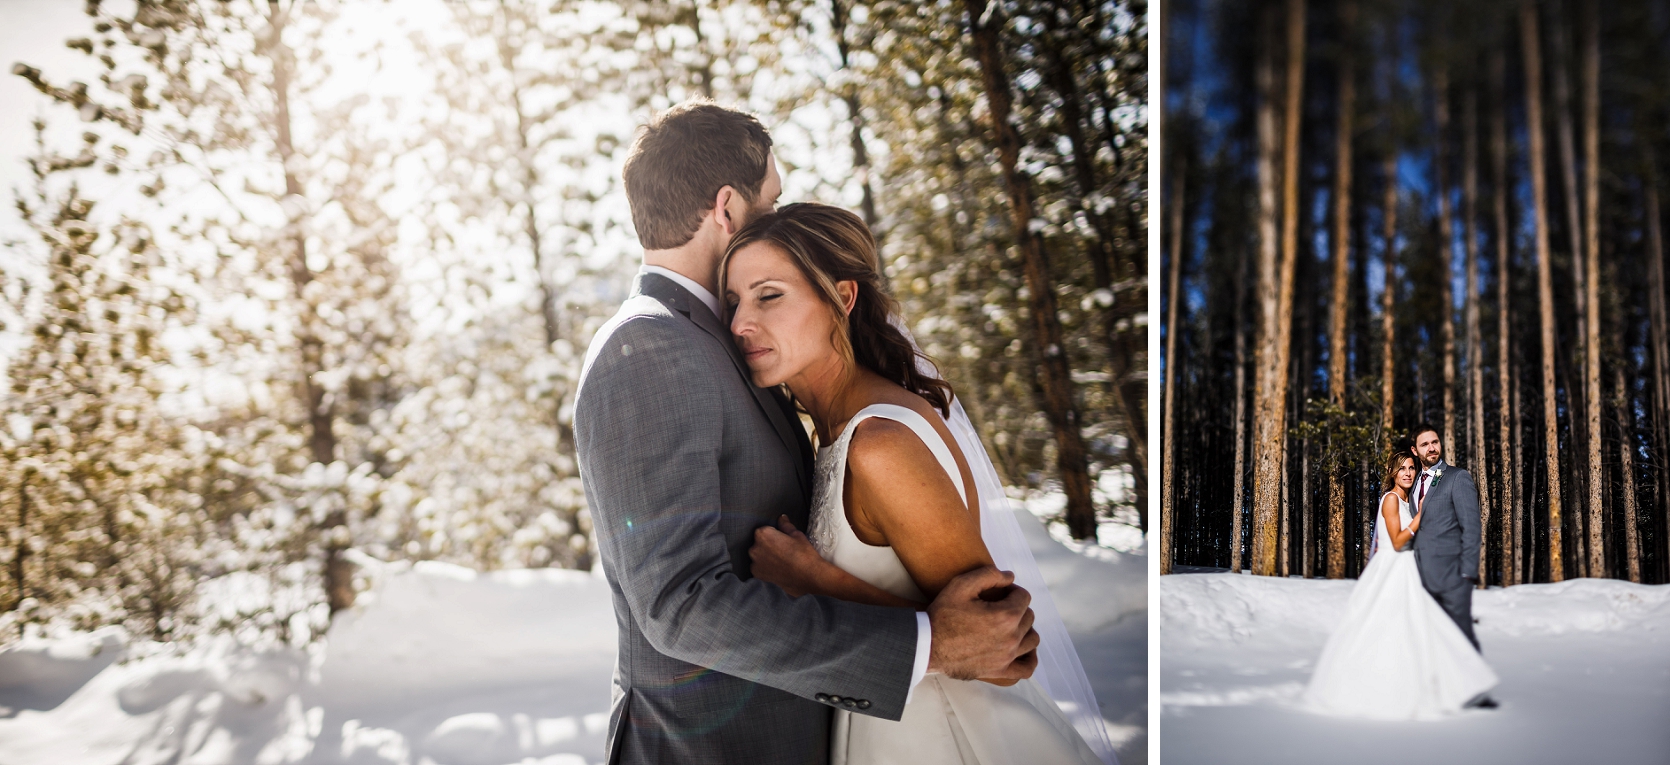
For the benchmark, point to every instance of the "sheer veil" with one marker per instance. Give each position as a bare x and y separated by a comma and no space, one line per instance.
1059,673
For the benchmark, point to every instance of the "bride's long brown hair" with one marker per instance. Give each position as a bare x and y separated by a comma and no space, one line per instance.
829,245
1394,464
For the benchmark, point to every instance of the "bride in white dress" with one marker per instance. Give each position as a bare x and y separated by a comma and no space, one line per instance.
1396,655
897,510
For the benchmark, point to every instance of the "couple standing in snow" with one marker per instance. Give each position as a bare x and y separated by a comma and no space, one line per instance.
886,636
1405,648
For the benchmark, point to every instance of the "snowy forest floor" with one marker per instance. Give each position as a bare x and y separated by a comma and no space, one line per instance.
441,664
1584,667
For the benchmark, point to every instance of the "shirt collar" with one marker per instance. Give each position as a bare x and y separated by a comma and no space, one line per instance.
686,282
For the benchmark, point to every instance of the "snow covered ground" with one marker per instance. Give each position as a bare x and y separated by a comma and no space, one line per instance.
440,664
1585,668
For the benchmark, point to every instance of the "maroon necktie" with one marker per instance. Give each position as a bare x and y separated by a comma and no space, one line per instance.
1421,497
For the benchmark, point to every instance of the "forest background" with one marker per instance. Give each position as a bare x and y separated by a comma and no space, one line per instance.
295,284
1380,212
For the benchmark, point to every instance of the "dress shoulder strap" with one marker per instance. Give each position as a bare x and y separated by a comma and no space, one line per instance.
923,430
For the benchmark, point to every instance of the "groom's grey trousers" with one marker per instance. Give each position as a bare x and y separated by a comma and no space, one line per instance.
1447,546
682,458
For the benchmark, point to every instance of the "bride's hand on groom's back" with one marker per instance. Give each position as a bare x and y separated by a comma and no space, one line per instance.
982,628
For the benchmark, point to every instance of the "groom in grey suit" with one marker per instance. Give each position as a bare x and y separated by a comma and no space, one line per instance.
683,459
1447,546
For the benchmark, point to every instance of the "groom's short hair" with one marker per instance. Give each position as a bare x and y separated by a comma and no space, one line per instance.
1415,435
680,161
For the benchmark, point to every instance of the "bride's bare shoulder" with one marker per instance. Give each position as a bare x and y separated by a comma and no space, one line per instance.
886,446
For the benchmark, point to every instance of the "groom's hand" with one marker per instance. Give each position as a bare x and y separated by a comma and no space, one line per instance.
982,628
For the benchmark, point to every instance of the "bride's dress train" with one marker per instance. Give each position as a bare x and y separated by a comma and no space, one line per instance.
947,722
1396,654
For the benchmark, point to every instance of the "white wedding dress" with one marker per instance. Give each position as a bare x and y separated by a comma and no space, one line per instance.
947,722
1396,655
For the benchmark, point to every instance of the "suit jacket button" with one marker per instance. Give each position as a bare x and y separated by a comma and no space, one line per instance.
850,703
833,699
863,703
823,697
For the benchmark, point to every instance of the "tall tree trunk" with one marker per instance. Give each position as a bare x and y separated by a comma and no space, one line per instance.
1388,321
1122,347
1275,287
339,590
1591,253
20,545
1235,530
1307,551
1446,266
1060,408
1531,46
1659,330
1511,501
1569,174
1626,457
1168,437
1526,528
549,292
1388,297
1341,284
1475,349
838,18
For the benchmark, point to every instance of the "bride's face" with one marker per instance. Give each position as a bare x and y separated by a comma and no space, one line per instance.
1406,473
782,326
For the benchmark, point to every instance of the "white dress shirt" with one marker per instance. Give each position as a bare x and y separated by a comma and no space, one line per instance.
1429,475
688,283
924,632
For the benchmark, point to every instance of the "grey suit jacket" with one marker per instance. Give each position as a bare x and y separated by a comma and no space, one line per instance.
682,458
1447,546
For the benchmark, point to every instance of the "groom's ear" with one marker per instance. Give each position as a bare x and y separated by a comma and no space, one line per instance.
729,222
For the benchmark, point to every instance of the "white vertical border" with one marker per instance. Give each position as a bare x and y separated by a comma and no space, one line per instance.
1156,92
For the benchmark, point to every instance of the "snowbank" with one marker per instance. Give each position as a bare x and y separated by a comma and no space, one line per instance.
1585,668
441,664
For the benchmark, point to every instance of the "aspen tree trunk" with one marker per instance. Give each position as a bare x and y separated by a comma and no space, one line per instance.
1168,438
1275,293
1660,333
1060,408
1532,50
1475,350
1591,252
1511,511
1569,174
339,589
1341,284
1446,238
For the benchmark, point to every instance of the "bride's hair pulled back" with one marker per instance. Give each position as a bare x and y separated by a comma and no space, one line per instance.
829,245
1403,451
